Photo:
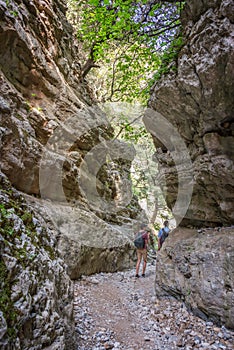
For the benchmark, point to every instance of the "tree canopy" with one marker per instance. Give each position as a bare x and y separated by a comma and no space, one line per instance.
125,38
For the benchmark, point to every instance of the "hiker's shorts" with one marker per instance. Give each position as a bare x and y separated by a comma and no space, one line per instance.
142,253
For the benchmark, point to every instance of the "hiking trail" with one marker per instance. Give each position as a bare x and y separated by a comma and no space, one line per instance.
118,311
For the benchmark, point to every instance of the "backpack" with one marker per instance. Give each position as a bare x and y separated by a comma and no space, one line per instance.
164,235
139,241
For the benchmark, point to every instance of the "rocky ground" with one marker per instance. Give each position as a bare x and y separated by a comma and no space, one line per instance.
118,311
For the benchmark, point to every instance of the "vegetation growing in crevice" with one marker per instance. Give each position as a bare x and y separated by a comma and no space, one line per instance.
169,58
12,212
6,303
20,243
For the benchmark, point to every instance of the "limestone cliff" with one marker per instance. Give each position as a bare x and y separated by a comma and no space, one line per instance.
197,101
54,149
36,293
54,145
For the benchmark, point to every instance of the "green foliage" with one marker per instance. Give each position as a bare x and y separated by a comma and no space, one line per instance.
126,120
8,232
169,58
14,212
127,78
6,304
105,22
130,132
14,13
6,225
7,222
11,6
130,44
125,40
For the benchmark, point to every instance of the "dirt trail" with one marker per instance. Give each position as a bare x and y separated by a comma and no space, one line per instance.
118,311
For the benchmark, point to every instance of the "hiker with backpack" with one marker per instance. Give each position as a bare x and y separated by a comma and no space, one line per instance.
163,234
141,243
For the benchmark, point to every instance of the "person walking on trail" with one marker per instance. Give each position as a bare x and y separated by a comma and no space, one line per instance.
143,236
163,234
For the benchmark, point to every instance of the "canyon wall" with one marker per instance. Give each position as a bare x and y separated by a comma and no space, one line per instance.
36,298
196,99
55,142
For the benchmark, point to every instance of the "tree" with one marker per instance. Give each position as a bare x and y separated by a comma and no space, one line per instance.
126,119
130,43
125,38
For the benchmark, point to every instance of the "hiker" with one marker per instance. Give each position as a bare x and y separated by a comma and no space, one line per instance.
143,235
163,233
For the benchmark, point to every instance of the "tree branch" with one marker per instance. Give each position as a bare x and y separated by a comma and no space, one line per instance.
162,31
89,64
132,122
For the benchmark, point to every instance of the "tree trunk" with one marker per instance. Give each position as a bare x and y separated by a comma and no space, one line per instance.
155,212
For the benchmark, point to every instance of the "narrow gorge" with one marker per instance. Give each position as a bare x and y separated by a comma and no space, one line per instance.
66,214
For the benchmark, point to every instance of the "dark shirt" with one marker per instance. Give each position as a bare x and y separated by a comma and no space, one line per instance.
145,237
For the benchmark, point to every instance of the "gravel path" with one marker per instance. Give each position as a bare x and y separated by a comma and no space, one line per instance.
117,311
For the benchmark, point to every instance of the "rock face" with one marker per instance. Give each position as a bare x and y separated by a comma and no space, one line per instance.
87,243
40,91
53,143
57,150
198,267
198,101
36,293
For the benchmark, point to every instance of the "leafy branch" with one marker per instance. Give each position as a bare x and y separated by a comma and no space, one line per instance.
128,38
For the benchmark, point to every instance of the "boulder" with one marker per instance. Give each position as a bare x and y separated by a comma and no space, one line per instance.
197,267
87,243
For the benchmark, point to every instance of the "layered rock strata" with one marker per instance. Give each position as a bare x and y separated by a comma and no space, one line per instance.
46,118
54,145
87,243
50,137
196,100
